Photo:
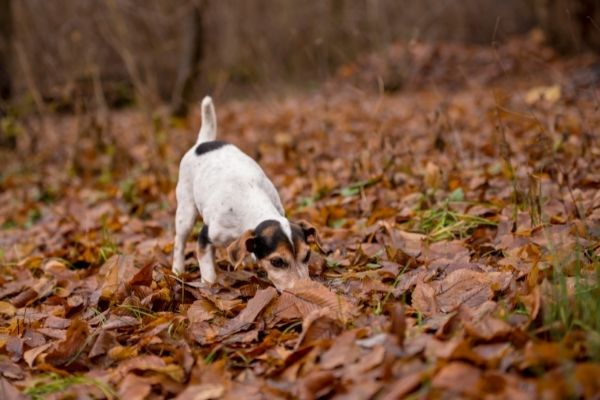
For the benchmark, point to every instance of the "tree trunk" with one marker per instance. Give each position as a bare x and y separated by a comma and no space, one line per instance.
5,40
189,68
570,25
7,135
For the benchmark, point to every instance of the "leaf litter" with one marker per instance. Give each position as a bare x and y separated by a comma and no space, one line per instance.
460,226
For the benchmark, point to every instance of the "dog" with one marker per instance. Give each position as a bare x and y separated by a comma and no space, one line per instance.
241,211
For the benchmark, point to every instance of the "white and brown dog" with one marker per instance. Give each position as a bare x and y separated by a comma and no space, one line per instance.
241,209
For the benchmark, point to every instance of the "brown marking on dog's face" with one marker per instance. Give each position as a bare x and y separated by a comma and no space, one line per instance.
285,261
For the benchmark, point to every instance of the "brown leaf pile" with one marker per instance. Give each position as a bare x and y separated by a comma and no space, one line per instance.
462,224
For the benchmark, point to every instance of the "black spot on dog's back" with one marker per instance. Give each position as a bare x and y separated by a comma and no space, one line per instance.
206,147
269,236
203,239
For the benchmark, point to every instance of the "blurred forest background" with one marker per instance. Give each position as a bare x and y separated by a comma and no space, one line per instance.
64,55
86,58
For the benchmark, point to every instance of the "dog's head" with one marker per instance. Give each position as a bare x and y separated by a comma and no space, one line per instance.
282,249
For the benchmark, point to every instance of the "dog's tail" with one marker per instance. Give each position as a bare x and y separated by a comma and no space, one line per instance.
208,130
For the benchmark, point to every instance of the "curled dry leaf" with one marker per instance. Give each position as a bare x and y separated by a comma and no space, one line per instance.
135,387
246,318
9,369
462,287
201,310
318,325
207,391
458,378
114,274
488,328
404,386
7,309
143,277
9,392
30,355
66,352
307,296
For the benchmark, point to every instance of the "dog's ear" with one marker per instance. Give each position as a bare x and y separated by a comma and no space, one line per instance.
311,235
239,249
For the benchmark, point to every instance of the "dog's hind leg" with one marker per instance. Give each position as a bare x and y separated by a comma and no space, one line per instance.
207,260
185,218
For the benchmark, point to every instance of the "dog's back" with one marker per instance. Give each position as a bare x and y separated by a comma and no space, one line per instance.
229,188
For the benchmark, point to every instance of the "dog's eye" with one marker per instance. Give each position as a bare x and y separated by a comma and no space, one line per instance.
306,257
278,262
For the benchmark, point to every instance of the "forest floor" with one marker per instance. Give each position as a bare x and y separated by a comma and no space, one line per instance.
459,211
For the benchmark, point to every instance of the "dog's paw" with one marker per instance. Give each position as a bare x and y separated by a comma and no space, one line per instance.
208,274
178,269
206,284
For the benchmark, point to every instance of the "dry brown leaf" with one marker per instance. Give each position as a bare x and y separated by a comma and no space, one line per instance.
9,392
489,328
433,176
314,385
119,353
120,321
30,355
458,377
462,287
587,375
9,369
200,310
404,386
424,299
545,354
135,387
66,352
143,277
371,359
254,307
318,325
308,295
103,343
7,309
115,272
205,391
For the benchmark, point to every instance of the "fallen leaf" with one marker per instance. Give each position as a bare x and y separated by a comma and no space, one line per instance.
549,93
315,385
143,277
308,295
30,355
200,310
587,375
318,325
65,352
246,318
115,273
7,309
487,329
403,386
9,369
135,387
9,392
424,299
105,341
120,321
205,391
457,377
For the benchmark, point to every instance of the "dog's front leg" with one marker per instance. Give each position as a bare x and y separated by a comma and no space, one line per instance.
207,266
